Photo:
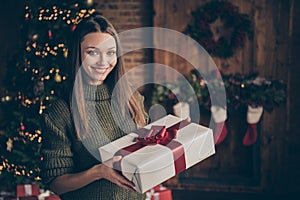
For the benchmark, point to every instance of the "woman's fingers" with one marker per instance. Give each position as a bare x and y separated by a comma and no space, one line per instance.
116,177
126,187
109,163
123,180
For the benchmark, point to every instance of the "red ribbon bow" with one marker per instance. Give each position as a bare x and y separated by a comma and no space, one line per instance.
158,135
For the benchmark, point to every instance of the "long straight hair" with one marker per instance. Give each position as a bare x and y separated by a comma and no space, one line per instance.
97,23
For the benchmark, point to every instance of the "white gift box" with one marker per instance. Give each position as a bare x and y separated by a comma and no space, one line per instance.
154,163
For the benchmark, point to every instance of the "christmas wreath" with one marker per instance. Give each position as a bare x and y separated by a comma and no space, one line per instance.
219,28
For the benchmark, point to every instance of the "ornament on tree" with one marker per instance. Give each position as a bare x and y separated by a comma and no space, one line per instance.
182,110
50,34
219,115
57,77
35,37
22,127
73,27
9,145
66,53
253,116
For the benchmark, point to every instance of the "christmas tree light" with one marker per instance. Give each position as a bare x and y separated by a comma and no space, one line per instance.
35,76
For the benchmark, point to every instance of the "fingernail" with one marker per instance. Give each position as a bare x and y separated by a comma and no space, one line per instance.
116,158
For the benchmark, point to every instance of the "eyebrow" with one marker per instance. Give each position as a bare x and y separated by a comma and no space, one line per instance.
93,47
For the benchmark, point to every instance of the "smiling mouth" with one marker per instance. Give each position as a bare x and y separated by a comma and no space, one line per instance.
100,70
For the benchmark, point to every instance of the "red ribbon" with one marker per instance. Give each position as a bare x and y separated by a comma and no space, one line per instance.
158,135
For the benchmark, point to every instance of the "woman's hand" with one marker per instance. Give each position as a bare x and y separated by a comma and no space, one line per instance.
69,182
106,170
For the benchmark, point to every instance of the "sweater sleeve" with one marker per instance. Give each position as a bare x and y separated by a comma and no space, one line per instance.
56,146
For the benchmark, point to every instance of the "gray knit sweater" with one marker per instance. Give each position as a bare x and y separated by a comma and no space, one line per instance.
64,153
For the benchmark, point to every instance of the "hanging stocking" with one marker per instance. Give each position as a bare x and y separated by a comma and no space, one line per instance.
253,117
182,110
219,115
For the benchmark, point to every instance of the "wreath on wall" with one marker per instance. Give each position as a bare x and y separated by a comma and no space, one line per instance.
220,28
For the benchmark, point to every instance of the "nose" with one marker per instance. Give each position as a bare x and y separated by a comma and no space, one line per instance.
101,60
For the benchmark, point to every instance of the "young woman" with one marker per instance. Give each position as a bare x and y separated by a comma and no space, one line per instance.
74,129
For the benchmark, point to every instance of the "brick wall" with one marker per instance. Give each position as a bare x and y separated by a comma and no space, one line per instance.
126,15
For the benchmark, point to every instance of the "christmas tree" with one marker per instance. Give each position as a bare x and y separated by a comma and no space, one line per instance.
35,76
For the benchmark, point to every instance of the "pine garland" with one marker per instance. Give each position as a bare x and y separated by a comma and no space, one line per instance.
241,90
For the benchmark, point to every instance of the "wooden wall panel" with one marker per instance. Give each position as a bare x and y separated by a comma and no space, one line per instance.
271,54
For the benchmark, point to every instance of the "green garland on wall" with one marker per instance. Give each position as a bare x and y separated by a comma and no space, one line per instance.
220,28
241,90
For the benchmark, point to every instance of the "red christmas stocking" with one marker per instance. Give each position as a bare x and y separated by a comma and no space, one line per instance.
219,115
253,117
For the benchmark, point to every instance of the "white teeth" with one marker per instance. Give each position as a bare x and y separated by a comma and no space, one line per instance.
99,70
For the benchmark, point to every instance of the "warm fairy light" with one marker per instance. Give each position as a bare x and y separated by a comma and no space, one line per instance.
27,101
7,98
42,50
89,2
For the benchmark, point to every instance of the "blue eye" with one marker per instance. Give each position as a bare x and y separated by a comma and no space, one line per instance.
92,52
111,53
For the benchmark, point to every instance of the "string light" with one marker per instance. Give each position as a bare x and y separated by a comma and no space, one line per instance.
52,15
36,48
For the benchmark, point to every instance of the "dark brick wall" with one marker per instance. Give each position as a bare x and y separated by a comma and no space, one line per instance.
126,15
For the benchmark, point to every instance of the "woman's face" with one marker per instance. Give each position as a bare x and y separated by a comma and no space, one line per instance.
99,56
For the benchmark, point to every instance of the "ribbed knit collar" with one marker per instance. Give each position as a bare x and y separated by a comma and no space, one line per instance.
96,92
